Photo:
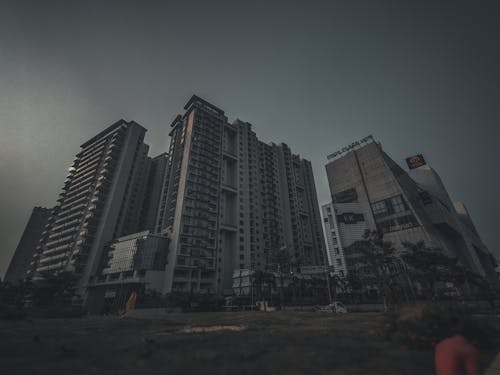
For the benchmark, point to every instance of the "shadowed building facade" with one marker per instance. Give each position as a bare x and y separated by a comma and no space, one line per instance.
25,250
100,200
404,206
228,199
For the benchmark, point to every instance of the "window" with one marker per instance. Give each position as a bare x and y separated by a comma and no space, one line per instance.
339,262
398,204
426,197
379,209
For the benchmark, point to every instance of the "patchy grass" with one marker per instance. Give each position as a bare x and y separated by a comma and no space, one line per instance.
270,343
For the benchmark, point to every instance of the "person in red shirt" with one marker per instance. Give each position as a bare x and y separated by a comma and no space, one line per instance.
456,356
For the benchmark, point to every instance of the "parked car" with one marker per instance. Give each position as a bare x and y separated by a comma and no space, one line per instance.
334,307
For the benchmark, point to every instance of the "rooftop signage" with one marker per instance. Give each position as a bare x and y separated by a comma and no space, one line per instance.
350,147
415,161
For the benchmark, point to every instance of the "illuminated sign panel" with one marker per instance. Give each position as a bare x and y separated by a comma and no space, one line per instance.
415,161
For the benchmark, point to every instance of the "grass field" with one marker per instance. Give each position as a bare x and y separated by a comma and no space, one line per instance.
209,343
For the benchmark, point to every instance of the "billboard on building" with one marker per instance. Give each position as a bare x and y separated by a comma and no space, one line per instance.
415,161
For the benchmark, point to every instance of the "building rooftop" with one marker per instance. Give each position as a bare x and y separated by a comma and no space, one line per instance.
196,99
110,129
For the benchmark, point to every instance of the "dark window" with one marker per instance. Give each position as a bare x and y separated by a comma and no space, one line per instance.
346,196
397,204
379,209
426,197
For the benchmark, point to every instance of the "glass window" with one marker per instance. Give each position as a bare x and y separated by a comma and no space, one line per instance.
398,204
379,209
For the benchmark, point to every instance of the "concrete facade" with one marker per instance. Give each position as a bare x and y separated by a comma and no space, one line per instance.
156,170
405,206
228,199
100,200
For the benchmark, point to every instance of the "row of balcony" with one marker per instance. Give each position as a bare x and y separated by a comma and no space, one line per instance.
72,209
52,258
85,164
82,183
62,233
92,148
50,267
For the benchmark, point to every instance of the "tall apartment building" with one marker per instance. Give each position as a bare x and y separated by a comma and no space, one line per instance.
405,206
228,199
133,262
23,255
100,200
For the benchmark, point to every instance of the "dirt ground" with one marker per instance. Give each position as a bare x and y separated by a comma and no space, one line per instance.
208,343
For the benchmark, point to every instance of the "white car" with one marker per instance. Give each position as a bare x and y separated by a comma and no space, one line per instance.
335,307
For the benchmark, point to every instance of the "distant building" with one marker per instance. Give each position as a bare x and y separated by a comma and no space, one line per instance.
405,206
228,199
134,263
488,262
23,255
101,200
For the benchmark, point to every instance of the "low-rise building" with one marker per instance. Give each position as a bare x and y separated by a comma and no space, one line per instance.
135,263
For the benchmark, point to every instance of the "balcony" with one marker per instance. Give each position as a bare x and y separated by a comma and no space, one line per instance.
229,155
228,227
52,258
50,267
229,188
72,210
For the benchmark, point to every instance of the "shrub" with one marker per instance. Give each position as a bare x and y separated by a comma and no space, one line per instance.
424,325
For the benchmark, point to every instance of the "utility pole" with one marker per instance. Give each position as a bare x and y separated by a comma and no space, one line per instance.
327,277
281,286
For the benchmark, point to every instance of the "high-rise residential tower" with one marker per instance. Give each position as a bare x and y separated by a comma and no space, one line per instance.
229,199
100,201
23,256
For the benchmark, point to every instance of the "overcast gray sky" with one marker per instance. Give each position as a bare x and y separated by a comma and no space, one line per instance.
422,77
